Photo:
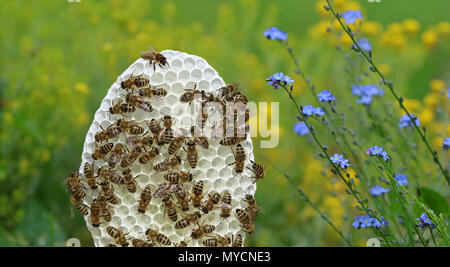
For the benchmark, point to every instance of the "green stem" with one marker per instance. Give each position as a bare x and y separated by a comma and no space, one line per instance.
304,197
349,185
432,236
391,89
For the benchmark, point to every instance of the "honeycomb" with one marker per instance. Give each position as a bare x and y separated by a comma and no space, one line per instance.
215,166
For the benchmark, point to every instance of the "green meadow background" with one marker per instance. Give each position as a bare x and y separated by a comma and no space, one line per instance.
58,59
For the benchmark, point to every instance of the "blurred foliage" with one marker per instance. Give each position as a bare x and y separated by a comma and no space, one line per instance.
59,59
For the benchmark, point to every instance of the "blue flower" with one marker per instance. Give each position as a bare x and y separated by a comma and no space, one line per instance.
405,121
366,92
366,221
364,44
424,221
377,151
448,92
301,129
401,179
446,144
279,79
351,16
378,190
326,96
339,159
274,33
310,110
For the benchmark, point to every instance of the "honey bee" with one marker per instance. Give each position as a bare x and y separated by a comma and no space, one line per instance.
226,205
128,159
218,241
110,176
109,133
183,200
127,108
155,58
202,230
154,126
166,133
116,155
245,220
182,244
117,235
176,144
129,181
146,196
101,152
252,206
139,141
258,170
116,108
199,140
95,213
108,192
104,209
141,81
139,102
167,164
237,241
74,186
170,209
128,84
192,154
213,200
151,91
197,194
162,191
232,140
228,91
190,94
157,237
82,208
239,159
129,126
89,174
187,220
140,243
149,156
172,177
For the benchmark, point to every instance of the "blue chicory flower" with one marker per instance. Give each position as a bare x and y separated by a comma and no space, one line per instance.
424,221
351,16
279,79
310,110
364,44
405,121
378,190
366,92
401,179
446,144
326,96
274,33
301,129
339,159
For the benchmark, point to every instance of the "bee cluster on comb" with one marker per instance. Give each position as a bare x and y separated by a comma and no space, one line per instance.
168,159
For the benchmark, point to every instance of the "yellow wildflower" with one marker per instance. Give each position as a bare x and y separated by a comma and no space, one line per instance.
431,100
107,47
81,87
443,28
371,28
426,116
437,85
412,105
430,39
411,26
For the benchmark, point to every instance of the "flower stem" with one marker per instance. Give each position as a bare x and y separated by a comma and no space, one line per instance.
391,89
305,198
